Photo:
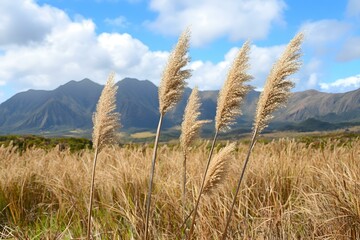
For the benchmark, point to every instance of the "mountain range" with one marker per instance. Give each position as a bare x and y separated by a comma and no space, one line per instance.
70,107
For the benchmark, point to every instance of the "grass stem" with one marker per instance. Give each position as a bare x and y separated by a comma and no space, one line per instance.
202,186
88,234
152,171
251,146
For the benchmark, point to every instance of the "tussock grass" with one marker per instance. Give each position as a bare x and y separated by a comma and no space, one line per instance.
292,190
190,129
229,100
275,94
304,193
170,91
106,123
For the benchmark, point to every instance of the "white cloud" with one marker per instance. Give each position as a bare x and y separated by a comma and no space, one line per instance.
350,50
117,22
208,75
312,81
212,19
342,85
309,75
62,56
353,8
262,59
130,57
71,50
2,96
75,52
322,34
23,21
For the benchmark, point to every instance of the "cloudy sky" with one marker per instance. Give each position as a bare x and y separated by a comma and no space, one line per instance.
46,43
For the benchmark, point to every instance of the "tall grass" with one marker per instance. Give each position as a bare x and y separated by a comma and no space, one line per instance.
170,92
190,128
106,123
306,192
275,94
229,100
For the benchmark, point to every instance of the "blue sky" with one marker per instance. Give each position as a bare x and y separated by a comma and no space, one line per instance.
46,43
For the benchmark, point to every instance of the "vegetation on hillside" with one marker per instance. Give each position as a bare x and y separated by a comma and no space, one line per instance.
21,143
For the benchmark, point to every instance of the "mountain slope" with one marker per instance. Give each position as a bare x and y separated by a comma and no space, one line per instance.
138,103
71,106
323,106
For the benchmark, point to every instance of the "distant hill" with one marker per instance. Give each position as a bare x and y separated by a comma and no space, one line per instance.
70,107
328,107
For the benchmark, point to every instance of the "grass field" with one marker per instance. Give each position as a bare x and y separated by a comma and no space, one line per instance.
292,190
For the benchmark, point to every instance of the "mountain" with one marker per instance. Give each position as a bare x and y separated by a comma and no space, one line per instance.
70,106
328,107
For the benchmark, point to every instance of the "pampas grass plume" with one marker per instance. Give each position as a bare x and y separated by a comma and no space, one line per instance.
106,122
230,97
105,119
234,90
275,94
173,78
170,91
218,169
190,128
191,125
277,87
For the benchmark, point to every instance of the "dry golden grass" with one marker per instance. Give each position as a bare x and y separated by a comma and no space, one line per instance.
218,169
275,94
278,85
106,123
172,82
190,129
306,192
140,135
170,90
234,90
229,100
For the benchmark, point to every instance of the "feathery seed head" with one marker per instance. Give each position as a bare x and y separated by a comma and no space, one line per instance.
218,169
173,78
191,125
105,119
234,90
277,87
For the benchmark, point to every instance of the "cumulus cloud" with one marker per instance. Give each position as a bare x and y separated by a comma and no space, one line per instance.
2,96
353,8
309,75
342,85
130,57
75,52
65,49
70,49
350,50
312,81
212,19
23,21
117,22
322,34
208,75
59,49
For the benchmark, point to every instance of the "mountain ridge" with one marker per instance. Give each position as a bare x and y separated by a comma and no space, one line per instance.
71,105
